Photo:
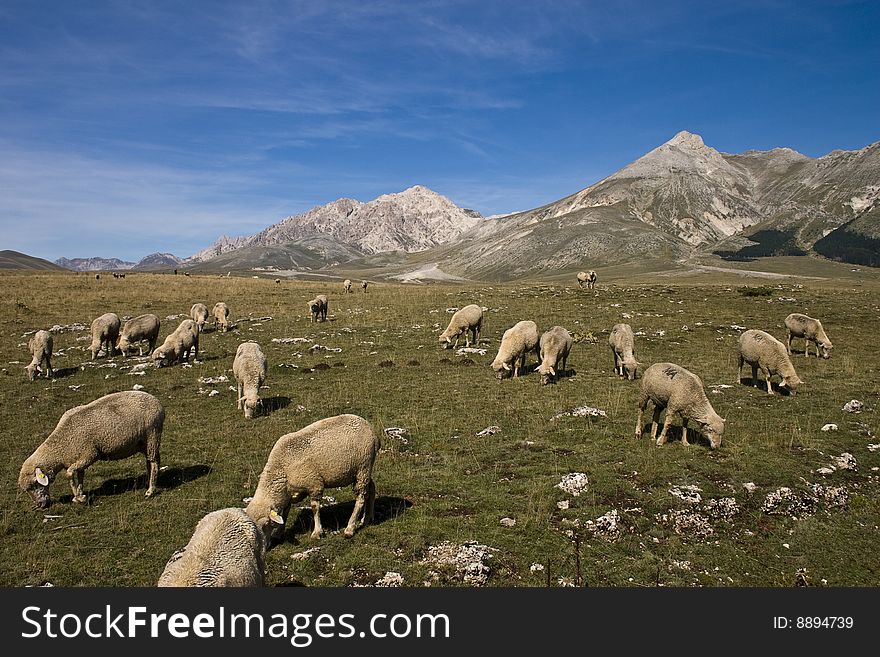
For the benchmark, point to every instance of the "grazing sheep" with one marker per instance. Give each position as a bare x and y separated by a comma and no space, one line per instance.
179,345
364,286
760,349
330,453
249,368
801,326
277,281
622,343
318,308
97,277
346,285
226,549
199,314
220,313
110,428
587,278
105,333
516,342
679,391
553,350
144,327
40,346
469,318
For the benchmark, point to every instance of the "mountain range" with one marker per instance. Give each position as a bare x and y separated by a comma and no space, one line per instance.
681,200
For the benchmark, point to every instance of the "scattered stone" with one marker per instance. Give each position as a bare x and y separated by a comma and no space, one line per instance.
290,340
690,494
722,508
846,461
137,386
213,393
873,447
825,471
470,350
854,406
390,579
581,411
684,522
563,505
536,567
574,483
606,527
750,486
829,427
398,433
466,560
508,522
305,554
211,380
488,431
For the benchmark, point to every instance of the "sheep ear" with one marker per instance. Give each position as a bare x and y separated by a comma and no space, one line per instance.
41,477
275,517
782,384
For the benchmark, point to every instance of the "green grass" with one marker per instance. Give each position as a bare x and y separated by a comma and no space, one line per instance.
445,483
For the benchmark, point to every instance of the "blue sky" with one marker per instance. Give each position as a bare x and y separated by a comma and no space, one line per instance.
131,127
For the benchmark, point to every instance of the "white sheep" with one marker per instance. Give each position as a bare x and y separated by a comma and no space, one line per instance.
318,308
364,286
553,350
622,343
346,285
587,278
40,346
330,453
760,349
516,342
469,318
801,326
249,368
179,345
143,327
199,314
105,332
680,392
220,313
110,428
226,549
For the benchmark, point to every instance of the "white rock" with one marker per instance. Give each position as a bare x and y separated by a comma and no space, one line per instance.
829,427
508,522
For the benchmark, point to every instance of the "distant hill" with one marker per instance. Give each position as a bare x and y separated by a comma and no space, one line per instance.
94,264
156,261
15,260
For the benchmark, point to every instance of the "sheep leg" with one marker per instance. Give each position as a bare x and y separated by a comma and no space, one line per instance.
639,420
370,509
684,431
152,475
356,512
790,336
767,376
739,370
240,394
616,367
662,439
316,512
76,484
655,421
755,376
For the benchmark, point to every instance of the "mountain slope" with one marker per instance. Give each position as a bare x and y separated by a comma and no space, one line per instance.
16,260
413,220
94,264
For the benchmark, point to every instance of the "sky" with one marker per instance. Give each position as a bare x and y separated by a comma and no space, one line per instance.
130,127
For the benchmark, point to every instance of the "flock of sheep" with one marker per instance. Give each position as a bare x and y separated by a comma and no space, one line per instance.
228,546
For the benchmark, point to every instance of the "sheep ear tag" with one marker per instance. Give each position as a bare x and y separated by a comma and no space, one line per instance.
41,477
275,517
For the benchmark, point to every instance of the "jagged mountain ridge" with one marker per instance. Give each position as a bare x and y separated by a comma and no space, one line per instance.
413,220
94,264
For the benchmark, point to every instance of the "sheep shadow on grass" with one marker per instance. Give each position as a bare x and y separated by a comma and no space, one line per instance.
695,436
271,404
334,517
166,480
64,372
761,385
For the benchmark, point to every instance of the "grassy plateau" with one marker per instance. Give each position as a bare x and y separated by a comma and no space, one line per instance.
776,505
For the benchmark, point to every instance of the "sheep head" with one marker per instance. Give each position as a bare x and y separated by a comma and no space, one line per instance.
826,348
36,483
713,430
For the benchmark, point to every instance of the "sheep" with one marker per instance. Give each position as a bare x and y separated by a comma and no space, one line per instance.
516,342
588,278
364,286
277,281
249,368
105,332
318,308
226,549
144,327
346,285
110,428
801,326
469,318
622,343
179,345
199,314
330,453
40,346
760,349
679,391
554,348
220,313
